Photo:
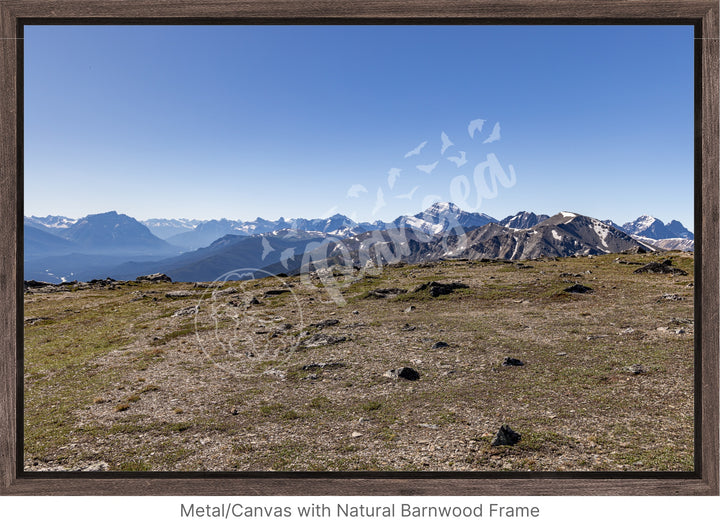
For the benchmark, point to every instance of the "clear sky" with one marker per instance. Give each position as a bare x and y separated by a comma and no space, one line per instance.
305,121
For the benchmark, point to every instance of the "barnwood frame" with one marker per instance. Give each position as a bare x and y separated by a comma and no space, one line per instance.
702,14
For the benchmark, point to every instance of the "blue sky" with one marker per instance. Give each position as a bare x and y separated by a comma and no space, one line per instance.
305,121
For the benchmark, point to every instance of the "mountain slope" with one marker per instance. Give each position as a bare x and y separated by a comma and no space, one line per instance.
114,233
565,234
523,220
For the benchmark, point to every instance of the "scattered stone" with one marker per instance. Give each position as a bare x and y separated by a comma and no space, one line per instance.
566,274
177,294
356,434
661,267
408,327
521,266
440,289
254,301
428,426
96,466
224,292
403,373
33,321
670,297
317,340
155,278
383,293
439,345
187,311
234,412
409,309
280,374
510,361
325,323
682,321
578,289
562,354
622,261
505,436
629,330
356,312
681,330
323,365
276,292
636,369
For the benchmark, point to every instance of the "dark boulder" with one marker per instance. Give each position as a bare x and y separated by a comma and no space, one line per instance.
510,361
578,289
440,289
505,436
405,372
661,267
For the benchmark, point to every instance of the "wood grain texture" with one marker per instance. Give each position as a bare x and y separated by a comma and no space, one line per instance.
8,247
707,359
703,13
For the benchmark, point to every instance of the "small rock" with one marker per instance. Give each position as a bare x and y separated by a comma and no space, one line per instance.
97,466
187,311
635,369
505,436
356,434
382,293
319,339
32,321
276,292
509,361
325,323
562,354
177,294
410,308
578,289
439,345
280,374
408,327
403,373
323,365
254,301
224,292
356,312
670,297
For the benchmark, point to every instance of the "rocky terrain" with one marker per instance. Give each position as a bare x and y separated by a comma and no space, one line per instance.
408,367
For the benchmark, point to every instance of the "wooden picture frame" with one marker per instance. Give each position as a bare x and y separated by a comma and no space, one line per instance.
702,14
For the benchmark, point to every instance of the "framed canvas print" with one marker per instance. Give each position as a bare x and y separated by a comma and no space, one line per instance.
383,248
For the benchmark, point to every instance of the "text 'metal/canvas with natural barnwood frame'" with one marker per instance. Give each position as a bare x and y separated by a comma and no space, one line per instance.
366,345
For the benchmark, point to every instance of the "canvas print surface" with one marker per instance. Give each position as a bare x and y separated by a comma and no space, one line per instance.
358,248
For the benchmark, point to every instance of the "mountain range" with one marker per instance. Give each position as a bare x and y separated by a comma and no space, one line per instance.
59,248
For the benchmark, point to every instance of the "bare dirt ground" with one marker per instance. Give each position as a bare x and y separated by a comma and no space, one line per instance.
279,374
